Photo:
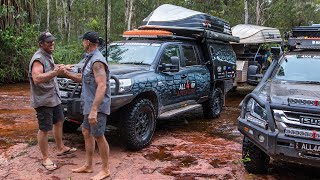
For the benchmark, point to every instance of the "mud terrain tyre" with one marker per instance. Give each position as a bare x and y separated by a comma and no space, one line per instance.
139,124
255,160
213,106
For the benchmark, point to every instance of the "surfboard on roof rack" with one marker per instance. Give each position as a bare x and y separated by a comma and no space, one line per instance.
185,22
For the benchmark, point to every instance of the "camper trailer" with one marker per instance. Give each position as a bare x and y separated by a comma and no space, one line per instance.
252,55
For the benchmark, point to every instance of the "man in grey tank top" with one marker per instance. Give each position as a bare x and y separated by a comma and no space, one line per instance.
96,99
45,98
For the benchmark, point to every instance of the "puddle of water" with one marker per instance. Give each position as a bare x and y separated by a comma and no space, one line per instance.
162,155
17,119
223,127
186,161
217,163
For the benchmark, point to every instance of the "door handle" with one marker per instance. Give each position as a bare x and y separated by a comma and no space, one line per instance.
184,76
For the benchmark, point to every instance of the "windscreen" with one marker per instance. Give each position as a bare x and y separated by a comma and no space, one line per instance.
300,68
132,53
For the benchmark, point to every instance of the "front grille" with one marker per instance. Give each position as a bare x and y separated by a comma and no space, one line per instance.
69,88
292,125
294,120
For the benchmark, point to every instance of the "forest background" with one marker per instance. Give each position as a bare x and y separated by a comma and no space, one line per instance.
22,20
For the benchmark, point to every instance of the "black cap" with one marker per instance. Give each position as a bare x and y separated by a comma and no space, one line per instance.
46,37
92,36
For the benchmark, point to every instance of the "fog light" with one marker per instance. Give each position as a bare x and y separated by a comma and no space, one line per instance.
261,138
250,132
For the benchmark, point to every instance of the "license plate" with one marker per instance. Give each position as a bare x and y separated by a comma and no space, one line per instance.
308,147
63,93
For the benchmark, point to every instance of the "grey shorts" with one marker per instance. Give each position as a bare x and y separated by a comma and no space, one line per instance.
47,116
99,128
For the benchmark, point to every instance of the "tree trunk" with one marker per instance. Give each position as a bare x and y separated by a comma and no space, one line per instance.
258,13
48,14
246,13
126,11
130,14
59,20
108,20
65,18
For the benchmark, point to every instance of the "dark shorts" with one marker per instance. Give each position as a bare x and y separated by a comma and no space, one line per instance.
47,116
99,128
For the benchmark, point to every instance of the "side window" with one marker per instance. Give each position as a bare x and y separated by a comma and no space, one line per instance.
171,50
190,55
222,52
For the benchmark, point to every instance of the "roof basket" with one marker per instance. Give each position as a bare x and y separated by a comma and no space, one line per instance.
306,31
305,37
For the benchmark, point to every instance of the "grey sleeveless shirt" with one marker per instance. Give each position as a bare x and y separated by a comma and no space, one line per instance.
89,85
44,94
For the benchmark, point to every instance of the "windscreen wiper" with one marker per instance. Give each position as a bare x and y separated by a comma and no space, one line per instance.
309,82
135,63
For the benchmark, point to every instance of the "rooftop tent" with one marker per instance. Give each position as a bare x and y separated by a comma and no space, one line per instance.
253,34
185,22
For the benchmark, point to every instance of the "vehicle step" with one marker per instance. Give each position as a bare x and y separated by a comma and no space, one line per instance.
174,112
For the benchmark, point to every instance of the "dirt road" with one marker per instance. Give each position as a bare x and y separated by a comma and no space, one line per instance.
185,147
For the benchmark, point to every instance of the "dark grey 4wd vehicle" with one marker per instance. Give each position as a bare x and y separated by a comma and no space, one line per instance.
280,119
156,75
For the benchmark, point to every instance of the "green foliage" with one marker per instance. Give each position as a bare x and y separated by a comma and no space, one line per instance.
21,24
16,48
68,53
285,14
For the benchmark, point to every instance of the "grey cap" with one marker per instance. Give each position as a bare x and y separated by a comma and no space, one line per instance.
46,37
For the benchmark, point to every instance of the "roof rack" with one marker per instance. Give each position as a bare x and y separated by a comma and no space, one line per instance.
305,37
309,31
155,33
173,34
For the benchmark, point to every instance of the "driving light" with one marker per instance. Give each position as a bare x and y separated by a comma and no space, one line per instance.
124,85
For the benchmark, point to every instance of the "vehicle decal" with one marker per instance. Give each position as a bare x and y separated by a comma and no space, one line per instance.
186,88
305,102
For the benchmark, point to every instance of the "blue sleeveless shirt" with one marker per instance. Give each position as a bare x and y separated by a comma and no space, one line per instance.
89,85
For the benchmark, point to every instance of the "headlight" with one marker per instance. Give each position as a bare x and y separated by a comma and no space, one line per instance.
124,85
256,114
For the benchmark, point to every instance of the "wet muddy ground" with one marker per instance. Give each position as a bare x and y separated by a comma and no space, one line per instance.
185,147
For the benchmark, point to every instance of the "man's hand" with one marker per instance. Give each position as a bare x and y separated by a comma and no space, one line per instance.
69,67
93,117
59,69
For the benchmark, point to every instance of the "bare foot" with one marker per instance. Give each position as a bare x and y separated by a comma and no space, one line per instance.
101,175
83,169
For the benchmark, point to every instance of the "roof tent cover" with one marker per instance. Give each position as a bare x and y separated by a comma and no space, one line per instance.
253,34
173,17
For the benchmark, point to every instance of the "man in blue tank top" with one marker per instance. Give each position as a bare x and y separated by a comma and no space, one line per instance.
96,99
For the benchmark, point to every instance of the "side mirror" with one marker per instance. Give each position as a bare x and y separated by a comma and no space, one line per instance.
173,67
254,75
175,60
